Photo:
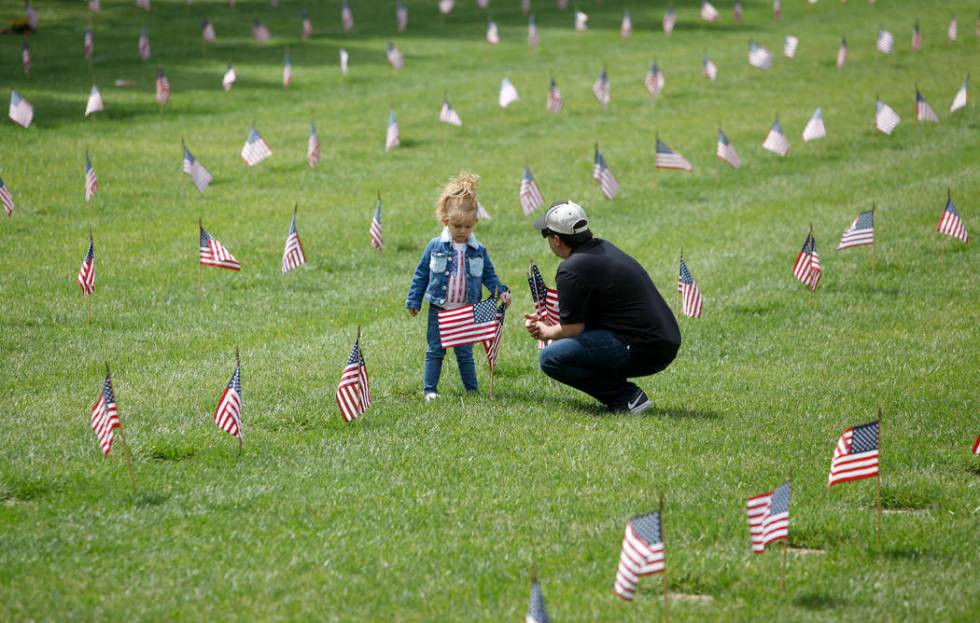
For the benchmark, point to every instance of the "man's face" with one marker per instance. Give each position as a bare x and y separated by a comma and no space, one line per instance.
554,243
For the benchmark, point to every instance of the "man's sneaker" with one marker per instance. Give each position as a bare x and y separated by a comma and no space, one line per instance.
430,396
639,404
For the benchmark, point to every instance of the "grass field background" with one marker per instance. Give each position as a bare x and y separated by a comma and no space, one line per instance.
427,512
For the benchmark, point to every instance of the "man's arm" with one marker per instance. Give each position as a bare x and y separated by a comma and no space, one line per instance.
546,332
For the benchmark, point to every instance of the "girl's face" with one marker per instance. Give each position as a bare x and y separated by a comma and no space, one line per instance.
460,225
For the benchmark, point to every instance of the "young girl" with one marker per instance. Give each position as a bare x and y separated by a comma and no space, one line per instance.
452,273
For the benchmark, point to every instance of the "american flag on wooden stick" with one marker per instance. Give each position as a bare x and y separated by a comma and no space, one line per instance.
726,151
207,31
952,29
313,147
94,5
91,180
545,299
354,390
344,59
814,127
307,27
691,301
737,12
769,517
554,97
6,198
287,71
777,9
626,27
532,33
228,80
807,268
448,115
30,14
790,43
923,111
670,19
602,174
401,16
86,274
25,55
88,43
228,414
916,37
642,553
959,100
468,324
94,103
668,159
842,52
21,111
886,119
493,34
163,87
710,69
391,135
395,57
377,239
105,416
885,42
861,231
759,57
530,196
508,94
492,346
200,176
213,253
950,222
292,255
445,6
601,89
525,6
346,17
255,149
655,80
776,141
260,32
708,12
581,21
144,45
536,611
856,455
143,4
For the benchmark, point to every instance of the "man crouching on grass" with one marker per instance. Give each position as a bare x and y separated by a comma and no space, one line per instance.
614,325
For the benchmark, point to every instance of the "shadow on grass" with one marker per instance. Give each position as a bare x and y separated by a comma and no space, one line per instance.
151,498
818,601
656,411
15,488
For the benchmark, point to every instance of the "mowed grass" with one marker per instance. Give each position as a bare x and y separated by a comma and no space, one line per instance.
435,512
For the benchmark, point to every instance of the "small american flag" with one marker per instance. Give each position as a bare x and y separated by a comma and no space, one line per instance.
737,12
726,151
710,69
213,253
31,15
807,269
708,12
391,136
94,5
814,127
395,57
21,111
525,6
228,414
95,103
670,19
88,43
532,33
668,159
144,45
448,115
530,196
255,150
886,119
545,299
951,30
105,416
86,274
554,97
292,255
493,35
959,101
856,455
260,32
861,231
344,59
950,222
483,4
313,147
346,17
759,57
228,80
6,198
601,89
163,87
655,80
769,517
886,41
690,293
91,181
916,37
377,239
445,6
468,324
354,389
790,43
626,27
976,444
287,72
776,141
508,94
492,346
207,31
581,21
143,4
923,111
562,4
777,9
200,176
307,26
842,52
25,55
536,611
602,174
401,16
642,554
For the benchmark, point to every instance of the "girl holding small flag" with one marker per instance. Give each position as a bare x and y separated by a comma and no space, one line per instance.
452,273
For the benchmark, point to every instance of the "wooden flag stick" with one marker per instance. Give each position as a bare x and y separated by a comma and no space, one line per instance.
813,250
680,304
878,485
238,366
122,437
873,245
666,581
782,564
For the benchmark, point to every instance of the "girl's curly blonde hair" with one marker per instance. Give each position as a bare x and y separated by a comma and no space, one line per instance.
458,197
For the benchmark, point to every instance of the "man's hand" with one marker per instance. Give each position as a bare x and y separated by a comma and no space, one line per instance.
532,325
413,312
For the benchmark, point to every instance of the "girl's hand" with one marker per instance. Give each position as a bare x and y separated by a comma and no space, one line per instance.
413,312
505,297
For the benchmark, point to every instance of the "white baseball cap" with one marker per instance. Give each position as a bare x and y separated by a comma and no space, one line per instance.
563,217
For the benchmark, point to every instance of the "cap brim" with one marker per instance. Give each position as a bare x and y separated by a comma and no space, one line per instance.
539,223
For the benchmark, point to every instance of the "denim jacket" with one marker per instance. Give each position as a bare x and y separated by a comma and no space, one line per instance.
432,275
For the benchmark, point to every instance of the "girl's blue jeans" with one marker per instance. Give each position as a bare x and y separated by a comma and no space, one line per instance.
435,353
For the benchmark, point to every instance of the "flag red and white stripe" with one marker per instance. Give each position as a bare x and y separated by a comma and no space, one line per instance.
6,198
105,416
313,147
293,255
768,517
842,53
287,72
448,115
691,302
228,414
708,12
885,42
207,32
950,222
602,174
951,30
377,238
163,87
666,158
144,45
861,232
25,56
354,390
530,196
255,149
923,111
759,57
600,89
213,253
626,27
710,70
395,58
554,98
670,19
856,455
886,119
88,43
807,268
655,80
91,180
642,554
776,141
346,17
493,34
392,139
469,324
726,151
86,274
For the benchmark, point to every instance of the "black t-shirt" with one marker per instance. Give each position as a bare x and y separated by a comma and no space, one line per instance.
604,288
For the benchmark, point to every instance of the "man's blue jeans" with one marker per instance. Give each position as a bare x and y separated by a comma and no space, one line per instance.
435,353
599,364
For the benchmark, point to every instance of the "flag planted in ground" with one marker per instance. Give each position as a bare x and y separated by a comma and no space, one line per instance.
626,26
710,70
959,100
776,141
669,21
469,324
94,103
886,119
228,414
856,455
105,416
344,60
392,139
708,12
395,58
885,42
306,28
86,274
493,35
21,111
759,57
545,299
536,611
602,174
790,43
951,30
642,554
25,57
492,346
213,253
554,97
923,111
691,301
207,32
842,52
88,43
260,32
143,45
448,115
600,89
255,149
530,196
814,129
313,147
916,37
292,255
769,517
6,198
377,239
228,80
346,17
91,179
726,151
532,33
508,94
200,176
354,390
287,71
861,232
807,268
401,16
581,21
666,158
163,87
950,222
655,80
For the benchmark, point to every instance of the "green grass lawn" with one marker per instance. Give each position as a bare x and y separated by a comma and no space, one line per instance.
438,512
